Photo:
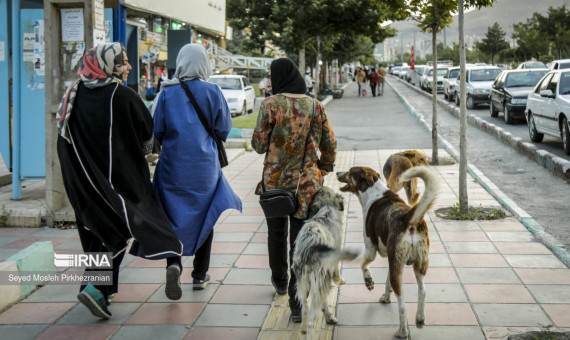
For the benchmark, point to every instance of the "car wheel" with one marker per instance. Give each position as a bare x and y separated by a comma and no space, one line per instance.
450,97
469,102
445,95
508,117
243,109
493,110
456,97
532,132
565,136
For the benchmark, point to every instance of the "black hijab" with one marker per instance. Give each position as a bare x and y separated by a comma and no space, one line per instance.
286,78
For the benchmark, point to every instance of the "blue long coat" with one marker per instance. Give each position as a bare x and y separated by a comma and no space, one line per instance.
188,178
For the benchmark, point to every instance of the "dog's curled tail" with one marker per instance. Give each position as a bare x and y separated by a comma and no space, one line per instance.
431,189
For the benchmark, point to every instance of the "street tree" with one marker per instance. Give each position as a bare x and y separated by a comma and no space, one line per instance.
254,16
494,41
532,43
555,25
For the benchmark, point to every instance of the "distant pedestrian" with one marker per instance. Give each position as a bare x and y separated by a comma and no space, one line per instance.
265,87
373,79
361,80
281,131
188,178
308,83
104,130
381,78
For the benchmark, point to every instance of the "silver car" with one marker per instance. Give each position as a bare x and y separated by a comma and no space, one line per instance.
548,108
238,93
450,83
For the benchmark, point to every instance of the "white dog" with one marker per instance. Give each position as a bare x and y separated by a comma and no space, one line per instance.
317,255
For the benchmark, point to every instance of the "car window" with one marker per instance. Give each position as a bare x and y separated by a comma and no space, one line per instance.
554,82
484,74
227,83
564,83
544,84
453,73
246,82
563,65
499,82
441,71
524,79
536,64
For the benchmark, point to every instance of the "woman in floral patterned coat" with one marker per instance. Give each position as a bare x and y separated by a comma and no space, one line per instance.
281,132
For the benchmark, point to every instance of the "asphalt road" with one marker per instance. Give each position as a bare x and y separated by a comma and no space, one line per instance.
384,123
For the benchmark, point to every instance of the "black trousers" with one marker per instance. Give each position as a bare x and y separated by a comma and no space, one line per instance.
277,246
201,259
90,243
373,88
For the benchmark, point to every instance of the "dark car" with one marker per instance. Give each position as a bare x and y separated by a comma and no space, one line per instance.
510,91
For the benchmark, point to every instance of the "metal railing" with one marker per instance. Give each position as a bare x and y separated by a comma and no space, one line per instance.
223,60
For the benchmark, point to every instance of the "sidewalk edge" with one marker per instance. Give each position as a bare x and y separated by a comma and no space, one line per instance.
530,223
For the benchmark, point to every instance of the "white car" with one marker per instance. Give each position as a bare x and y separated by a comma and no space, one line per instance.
548,108
450,83
478,83
238,93
441,71
559,64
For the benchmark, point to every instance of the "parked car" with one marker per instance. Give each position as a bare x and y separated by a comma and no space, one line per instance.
441,71
510,90
396,71
424,76
559,64
531,64
417,74
478,82
449,82
403,72
548,108
238,92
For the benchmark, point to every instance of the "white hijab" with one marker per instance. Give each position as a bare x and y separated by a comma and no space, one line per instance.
192,62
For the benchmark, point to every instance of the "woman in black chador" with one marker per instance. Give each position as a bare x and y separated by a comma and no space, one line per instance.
104,128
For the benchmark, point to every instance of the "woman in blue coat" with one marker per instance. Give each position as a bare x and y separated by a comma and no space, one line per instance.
188,178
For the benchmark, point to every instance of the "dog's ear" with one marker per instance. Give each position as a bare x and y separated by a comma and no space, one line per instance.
409,154
371,178
340,202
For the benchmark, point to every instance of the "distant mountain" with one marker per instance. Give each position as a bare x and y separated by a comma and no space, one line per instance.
505,12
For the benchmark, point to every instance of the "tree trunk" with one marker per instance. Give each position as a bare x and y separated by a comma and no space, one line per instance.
434,146
463,199
318,69
302,62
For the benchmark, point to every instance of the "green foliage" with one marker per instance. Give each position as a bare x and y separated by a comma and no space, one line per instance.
245,122
494,41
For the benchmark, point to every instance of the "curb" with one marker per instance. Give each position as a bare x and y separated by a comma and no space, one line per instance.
557,165
530,223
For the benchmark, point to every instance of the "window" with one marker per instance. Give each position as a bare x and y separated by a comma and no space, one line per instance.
544,84
554,82
484,74
524,79
227,83
564,83
563,65
453,74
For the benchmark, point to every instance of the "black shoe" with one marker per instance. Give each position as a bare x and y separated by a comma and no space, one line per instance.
201,284
296,316
279,290
173,290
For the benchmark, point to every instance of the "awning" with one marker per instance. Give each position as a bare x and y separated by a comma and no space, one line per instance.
208,15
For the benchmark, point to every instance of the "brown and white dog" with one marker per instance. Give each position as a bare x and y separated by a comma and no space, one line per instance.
395,166
394,230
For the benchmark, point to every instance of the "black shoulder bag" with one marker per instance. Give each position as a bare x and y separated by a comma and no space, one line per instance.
280,202
222,156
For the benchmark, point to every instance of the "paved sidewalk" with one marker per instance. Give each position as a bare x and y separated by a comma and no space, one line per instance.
486,280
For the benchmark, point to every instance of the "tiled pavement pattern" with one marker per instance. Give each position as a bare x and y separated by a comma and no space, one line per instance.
486,280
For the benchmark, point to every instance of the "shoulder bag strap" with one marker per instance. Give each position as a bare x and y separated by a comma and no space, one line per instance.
198,110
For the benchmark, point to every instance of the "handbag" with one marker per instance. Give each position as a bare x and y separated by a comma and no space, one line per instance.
280,202
222,156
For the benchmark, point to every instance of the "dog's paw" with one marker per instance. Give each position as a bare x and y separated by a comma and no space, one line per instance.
420,321
369,283
402,333
332,321
385,298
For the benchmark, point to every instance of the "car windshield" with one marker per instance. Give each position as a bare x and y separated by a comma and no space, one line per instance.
484,74
227,83
536,64
453,73
522,79
565,83
440,72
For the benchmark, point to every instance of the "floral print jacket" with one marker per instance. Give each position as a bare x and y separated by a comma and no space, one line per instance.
281,132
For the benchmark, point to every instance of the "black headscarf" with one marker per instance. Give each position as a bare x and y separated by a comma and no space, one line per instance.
286,78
